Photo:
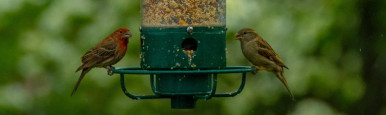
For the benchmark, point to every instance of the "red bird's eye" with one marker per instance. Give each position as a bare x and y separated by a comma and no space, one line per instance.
121,32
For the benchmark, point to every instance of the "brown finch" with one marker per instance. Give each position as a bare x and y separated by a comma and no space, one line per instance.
106,53
261,54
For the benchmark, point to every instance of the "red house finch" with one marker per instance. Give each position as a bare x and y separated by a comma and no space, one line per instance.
106,53
261,54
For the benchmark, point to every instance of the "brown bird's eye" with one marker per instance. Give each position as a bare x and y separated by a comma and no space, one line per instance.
245,32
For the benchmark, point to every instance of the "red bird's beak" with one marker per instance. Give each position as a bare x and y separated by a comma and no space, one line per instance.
128,34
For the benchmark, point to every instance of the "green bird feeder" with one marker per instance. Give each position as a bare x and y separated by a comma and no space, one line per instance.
183,50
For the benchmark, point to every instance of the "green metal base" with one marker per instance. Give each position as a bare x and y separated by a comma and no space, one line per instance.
183,87
183,102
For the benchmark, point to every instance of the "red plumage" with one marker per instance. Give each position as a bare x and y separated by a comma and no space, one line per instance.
107,52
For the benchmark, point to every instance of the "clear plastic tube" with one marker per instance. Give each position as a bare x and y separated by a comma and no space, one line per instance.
182,13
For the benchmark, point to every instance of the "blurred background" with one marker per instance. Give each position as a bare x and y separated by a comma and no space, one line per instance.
335,49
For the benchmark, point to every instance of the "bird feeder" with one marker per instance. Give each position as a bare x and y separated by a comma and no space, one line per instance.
183,50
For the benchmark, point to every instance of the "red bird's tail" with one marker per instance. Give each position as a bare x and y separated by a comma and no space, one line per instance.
84,71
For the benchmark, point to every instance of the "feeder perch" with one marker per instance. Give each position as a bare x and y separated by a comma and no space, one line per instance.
183,50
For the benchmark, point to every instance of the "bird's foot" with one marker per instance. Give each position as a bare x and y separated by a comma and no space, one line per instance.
110,70
259,67
255,72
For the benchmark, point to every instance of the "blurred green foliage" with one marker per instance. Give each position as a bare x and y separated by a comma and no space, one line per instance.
330,46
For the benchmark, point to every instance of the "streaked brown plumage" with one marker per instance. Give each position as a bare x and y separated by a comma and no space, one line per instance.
261,54
106,53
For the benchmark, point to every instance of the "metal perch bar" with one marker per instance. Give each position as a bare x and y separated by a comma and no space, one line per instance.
137,70
135,97
234,93
134,70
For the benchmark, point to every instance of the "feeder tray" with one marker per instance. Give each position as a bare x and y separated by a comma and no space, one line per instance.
186,98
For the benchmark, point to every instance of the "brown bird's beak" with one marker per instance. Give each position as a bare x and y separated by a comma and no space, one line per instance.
238,37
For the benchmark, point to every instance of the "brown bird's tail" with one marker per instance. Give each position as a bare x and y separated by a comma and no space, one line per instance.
79,68
84,71
281,77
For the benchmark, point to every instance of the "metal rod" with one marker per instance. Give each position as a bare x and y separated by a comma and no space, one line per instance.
135,97
152,85
214,88
213,91
137,70
232,94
